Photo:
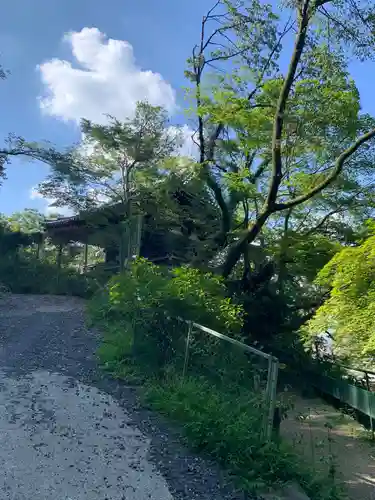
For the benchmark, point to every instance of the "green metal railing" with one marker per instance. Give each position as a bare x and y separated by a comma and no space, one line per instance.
366,378
359,398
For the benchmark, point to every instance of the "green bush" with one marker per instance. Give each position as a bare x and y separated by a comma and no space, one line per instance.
147,299
183,292
24,273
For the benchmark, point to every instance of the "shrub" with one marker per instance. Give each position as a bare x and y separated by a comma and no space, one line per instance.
227,427
147,299
24,273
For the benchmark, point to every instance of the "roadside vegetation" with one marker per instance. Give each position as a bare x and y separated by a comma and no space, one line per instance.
219,403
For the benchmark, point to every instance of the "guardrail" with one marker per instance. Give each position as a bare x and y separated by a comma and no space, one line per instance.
272,370
369,376
359,398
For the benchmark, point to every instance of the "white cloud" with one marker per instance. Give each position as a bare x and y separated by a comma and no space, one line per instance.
103,80
106,80
47,203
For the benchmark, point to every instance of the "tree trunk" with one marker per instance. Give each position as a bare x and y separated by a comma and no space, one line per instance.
85,257
239,247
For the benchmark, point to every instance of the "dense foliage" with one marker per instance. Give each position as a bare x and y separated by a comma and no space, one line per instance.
348,313
26,269
148,300
220,399
25,273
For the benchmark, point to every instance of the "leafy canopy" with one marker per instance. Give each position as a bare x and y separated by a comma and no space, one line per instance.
349,312
274,141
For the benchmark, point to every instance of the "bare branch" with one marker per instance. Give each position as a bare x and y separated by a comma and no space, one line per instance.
322,221
338,23
359,13
285,31
227,57
219,70
261,168
302,222
339,164
210,38
209,13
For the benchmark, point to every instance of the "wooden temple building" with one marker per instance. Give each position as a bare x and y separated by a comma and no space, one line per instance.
144,234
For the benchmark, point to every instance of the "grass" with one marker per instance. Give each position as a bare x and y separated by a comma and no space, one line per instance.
224,423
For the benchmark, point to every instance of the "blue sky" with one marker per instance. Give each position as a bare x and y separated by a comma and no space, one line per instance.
161,34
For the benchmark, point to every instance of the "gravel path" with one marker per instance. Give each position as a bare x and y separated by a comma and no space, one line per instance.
353,454
68,432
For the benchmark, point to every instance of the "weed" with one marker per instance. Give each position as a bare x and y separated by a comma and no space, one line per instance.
228,429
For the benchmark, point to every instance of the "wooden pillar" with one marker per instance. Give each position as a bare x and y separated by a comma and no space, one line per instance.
58,262
123,244
59,256
85,257
139,235
40,248
111,254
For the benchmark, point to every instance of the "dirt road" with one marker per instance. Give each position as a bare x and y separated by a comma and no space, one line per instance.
325,436
69,433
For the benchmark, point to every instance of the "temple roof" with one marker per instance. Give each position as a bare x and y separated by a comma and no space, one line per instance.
85,226
63,221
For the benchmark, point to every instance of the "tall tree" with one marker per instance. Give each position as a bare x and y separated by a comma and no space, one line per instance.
286,156
281,146
104,167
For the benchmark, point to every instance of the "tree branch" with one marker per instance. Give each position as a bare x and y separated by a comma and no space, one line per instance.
259,171
321,223
337,22
339,164
281,106
237,249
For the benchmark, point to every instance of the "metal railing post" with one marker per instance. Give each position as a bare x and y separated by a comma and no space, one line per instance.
368,406
267,400
272,398
186,360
